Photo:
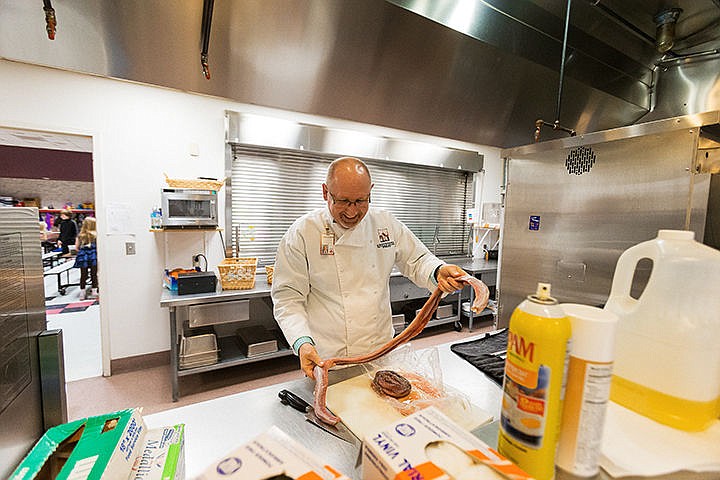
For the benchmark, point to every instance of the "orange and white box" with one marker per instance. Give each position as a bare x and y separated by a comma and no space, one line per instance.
428,445
271,454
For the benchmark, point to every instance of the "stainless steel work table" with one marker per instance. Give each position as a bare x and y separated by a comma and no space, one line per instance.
485,269
174,301
215,427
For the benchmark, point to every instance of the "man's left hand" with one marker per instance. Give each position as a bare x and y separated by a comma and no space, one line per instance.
447,278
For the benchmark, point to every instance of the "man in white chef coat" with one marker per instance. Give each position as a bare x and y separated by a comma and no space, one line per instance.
330,287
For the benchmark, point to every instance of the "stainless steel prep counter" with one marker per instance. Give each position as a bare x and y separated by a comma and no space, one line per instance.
216,427
179,305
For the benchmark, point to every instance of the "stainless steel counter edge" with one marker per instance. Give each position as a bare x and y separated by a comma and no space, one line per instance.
262,289
471,265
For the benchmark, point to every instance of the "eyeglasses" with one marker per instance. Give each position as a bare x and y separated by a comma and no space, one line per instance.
345,203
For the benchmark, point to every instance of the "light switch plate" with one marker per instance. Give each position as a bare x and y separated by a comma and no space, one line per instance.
129,248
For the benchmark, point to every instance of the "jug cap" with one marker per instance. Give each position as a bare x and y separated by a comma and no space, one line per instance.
676,235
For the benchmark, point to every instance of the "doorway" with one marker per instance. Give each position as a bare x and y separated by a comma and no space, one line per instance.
54,172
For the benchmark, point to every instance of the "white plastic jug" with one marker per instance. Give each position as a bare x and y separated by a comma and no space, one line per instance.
667,354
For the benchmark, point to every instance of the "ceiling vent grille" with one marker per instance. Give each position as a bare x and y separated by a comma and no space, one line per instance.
580,160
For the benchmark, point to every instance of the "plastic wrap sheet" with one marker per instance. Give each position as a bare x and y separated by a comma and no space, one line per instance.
422,370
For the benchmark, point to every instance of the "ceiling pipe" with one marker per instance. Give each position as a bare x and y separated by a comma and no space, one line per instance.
50,19
205,36
556,125
707,54
665,28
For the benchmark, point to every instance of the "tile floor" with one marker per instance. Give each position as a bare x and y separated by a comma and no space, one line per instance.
148,385
80,322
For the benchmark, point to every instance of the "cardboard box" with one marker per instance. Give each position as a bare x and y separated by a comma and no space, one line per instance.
92,448
162,456
32,202
105,447
271,454
428,445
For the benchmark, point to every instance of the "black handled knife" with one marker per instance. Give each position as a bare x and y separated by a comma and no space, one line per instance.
339,430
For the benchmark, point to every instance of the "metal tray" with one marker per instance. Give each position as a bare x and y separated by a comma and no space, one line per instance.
198,350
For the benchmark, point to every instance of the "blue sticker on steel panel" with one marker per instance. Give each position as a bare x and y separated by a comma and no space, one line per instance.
534,222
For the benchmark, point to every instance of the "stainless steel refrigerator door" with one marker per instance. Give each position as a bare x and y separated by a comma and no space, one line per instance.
573,206
22,318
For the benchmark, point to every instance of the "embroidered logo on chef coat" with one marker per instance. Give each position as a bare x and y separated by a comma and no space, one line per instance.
384,238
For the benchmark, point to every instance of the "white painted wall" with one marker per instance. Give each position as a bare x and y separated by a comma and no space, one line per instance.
139,132
493,167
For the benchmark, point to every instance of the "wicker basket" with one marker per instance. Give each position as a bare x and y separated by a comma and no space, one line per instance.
269,269
197,183
237,273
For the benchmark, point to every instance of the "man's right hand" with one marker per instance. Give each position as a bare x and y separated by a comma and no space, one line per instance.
309,357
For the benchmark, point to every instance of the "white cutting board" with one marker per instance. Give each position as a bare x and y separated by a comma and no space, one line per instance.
365,413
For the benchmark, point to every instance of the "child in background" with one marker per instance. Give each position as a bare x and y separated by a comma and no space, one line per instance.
68,231
86,260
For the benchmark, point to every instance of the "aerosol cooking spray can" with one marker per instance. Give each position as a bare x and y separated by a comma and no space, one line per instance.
588,388
534,383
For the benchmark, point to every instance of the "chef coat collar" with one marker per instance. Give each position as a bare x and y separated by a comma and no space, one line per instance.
347,236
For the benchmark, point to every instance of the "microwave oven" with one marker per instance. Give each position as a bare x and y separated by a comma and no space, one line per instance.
188,208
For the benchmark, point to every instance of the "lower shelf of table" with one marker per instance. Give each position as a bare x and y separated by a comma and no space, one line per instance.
442,321
230,356
484,313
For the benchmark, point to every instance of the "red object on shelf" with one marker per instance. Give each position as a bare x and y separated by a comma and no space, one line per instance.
72,210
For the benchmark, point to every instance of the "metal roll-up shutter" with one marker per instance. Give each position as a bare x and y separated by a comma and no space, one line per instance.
271,187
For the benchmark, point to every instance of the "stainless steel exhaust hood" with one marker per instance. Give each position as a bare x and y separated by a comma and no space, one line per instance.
480,71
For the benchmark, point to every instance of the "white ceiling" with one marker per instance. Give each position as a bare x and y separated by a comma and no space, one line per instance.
49,140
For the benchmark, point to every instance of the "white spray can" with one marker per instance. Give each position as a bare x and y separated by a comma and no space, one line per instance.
588,388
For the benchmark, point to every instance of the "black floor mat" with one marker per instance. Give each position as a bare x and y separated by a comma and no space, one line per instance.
480,354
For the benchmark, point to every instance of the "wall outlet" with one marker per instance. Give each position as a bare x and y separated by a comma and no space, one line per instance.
129,248
194,149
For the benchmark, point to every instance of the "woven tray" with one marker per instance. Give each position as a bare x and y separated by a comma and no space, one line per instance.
196,183
269,269
237,273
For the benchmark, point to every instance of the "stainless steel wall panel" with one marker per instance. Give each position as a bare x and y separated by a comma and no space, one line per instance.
22,319
641,181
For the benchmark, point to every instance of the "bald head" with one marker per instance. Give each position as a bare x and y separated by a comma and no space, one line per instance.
347,170
347,190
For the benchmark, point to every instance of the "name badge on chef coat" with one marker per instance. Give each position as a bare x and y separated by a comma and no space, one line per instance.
327,242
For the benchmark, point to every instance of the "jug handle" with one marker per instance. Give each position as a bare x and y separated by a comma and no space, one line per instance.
625,271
